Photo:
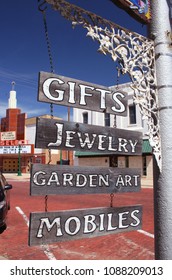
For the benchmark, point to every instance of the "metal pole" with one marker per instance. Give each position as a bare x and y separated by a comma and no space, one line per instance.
19,162
161,32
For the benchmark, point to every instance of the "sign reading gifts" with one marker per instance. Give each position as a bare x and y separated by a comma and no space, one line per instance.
79,94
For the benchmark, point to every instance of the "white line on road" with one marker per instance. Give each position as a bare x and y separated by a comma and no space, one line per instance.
146,233
45,248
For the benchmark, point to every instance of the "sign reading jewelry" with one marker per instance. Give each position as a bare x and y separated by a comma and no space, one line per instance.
53,134
79,94
49,227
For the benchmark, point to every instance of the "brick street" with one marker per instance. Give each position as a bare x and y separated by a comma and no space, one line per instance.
122,246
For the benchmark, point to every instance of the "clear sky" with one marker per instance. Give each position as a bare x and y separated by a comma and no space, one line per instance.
23,50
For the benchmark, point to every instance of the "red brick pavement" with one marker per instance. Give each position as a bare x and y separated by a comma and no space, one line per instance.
122,246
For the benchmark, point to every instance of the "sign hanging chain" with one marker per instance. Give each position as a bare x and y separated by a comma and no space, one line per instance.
111,199
43,11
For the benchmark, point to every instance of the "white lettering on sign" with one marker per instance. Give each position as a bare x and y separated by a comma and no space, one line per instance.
88,140
86,92
40,178
71,180
24,149
88,224
49,227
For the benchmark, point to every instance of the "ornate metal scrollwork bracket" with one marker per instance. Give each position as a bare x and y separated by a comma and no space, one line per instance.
135,55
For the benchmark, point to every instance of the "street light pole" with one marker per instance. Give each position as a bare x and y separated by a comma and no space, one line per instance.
160,29
19,162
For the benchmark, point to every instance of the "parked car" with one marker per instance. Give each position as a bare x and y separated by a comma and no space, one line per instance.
4,201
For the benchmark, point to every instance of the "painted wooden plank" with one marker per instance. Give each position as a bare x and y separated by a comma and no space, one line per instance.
48,179
66,91
49,227
58,134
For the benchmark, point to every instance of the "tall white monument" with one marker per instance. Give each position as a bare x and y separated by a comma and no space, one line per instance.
12,101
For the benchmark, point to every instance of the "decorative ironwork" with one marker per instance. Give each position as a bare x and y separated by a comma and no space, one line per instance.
134,54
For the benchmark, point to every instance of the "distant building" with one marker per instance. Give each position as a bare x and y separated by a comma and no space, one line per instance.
17,140
133,121
12,137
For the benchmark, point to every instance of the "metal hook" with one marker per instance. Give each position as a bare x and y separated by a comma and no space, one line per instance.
40,6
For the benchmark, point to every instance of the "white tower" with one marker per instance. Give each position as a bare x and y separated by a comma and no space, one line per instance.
12,101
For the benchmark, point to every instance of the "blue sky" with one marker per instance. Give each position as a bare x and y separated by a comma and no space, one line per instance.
23,50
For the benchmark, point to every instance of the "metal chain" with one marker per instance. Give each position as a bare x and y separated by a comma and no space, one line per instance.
42,10
118,75
46,203
117,87
111,199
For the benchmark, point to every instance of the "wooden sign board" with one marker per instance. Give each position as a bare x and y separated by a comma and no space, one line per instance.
66,91
62,135
138,9
49,227
47,179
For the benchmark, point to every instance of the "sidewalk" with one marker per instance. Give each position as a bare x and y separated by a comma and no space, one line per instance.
15,177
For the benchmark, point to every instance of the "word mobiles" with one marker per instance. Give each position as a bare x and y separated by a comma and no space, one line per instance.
49,227
75,93
47,179
64,135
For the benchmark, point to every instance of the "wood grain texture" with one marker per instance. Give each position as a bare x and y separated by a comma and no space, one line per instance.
66,91
49,227
53,134
47,179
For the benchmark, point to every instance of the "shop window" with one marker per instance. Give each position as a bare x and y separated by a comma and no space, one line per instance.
113,161
85,117
38,160
107,119
127,162
132,114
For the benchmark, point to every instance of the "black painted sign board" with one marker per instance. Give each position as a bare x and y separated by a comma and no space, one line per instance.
50,227
48,179
66,91
63,135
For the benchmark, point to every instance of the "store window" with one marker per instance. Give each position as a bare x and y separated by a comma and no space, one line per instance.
107,119
132,114
144,165
85,117
113,161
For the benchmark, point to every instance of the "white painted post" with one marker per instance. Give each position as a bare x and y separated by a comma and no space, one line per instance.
161,32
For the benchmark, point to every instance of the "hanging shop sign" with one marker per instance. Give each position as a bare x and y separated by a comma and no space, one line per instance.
48,179
53,134
49,227
139,9
79,94
8,135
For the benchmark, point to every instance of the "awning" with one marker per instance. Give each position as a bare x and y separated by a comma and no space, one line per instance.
146,149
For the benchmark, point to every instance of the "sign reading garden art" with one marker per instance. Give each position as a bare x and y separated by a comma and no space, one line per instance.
48,227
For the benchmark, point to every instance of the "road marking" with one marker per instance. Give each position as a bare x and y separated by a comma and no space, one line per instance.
45,248
23,215
146,233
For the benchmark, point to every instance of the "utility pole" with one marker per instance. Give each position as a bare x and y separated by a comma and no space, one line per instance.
160,29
